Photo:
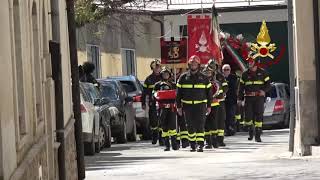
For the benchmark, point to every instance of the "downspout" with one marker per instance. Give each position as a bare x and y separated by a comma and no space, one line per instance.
161,24
54,47
75,87
317,59
292,122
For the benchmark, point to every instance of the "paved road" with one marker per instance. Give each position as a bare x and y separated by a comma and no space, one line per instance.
241,159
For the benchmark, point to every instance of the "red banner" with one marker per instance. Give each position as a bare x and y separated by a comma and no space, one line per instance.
173,52
200,40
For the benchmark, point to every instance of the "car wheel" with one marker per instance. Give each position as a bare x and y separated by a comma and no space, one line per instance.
101,140
133,135
122,138
108,140
90,146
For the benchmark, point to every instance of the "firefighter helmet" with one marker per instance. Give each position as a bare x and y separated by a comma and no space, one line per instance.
165,70
154,63
194,58
212,64
207,70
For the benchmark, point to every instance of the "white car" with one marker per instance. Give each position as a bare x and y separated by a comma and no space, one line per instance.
90,123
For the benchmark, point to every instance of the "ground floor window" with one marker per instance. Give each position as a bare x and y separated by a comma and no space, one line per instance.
129,62
93,55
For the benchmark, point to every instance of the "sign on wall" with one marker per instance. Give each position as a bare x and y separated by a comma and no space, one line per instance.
173,51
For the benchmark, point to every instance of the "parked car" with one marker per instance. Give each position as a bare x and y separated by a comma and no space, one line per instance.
90,122
277,106
134,89
124,128
101,106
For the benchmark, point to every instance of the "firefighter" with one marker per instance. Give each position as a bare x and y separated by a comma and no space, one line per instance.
221,111
194,98
211,121
181,122
255,82
239,111
148,86
167,113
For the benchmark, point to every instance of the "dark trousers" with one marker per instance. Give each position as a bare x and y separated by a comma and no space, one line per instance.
221,118
230,115
168,122
182,128
254,108
195,117
211,124
153,117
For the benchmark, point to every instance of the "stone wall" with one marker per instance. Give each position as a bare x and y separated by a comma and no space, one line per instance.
34,166
70,152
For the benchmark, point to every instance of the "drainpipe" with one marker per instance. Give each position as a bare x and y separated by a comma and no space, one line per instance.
292,122
75,88
54,48
317,59
161,24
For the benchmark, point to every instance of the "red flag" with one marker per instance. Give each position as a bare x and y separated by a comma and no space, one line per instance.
200,40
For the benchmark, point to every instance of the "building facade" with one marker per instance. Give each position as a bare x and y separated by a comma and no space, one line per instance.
122,44
28,144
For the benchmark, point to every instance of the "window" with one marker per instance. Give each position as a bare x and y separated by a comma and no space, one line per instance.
272,93
129,86
37,65
282,93
128,58
183,30
18,71
110,91
93,55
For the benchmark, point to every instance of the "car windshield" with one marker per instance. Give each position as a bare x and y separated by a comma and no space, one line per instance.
91,91
109,90
272,93
129,86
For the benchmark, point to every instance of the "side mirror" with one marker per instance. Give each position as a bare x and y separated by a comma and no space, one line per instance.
105,101
128,99
97,102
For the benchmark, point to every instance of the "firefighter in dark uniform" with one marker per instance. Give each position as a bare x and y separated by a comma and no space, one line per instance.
194,97
211,121
148,86
255,82
221,111
167,113
181,122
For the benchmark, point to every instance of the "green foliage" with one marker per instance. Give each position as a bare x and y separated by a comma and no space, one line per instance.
87,12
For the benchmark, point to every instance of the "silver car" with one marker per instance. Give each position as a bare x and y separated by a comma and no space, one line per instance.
277,106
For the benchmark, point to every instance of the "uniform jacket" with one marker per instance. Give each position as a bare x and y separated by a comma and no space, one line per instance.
148,86
193,89
253,82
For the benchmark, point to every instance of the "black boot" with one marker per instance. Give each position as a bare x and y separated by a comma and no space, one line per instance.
155,136
167,144
250,133
214,141
200,146
220,141
185,143
258,135
208,142
174,143
193,146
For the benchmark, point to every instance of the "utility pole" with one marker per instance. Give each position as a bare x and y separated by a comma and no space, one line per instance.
75,88
291,75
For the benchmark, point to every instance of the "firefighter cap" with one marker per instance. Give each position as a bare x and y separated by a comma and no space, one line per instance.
212,64
154,63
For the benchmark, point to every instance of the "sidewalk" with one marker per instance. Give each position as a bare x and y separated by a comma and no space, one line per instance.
241,159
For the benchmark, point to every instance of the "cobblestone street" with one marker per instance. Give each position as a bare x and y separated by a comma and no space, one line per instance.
239,160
